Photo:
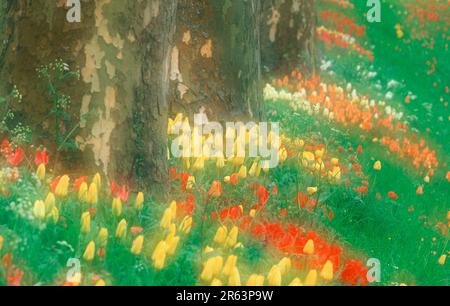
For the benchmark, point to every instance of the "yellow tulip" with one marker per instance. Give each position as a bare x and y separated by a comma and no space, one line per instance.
221,235
327,271
117,207
55,214
229,265
217,265
173,208
216,283
172,244
255,280
335,161
282,155
211,268
377,165
426,179
243,172
139,202
82,192
311,190
309,247
159,255
49,202
285,265
40,172
89,253
311,278
166,219
442,260
255,169
274,276
296,282
62,186
186,225
208,249
103,237
1,242
232,237
252,213
97,180
136,247
121,230
100,283
39,210
235,279
92,194
86,222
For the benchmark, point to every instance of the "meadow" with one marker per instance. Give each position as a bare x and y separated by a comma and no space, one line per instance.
360,195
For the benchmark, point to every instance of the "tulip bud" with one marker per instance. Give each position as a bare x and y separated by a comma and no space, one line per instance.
121,230
166,219
138,204
89,253
235,279
159,255
172,244
216,283
327,271
311,278
49,202
136,247
103,237
97,180
284,265
39,210
229,265
243,172
86,222
117,207
296,282
186,225
221,235
55,214
92,194
62,186
100,283
82,192
274,276
232,237
377,165
255,169
208,270
442,260
40,172
309,247
255,280
1,242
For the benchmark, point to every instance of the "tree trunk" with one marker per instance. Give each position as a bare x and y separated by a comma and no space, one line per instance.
122,49
288,30
216,63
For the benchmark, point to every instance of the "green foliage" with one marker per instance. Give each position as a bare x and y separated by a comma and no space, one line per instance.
55,75
9,124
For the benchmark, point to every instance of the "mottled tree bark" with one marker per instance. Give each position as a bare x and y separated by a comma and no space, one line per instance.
122,50
216,63
288,41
